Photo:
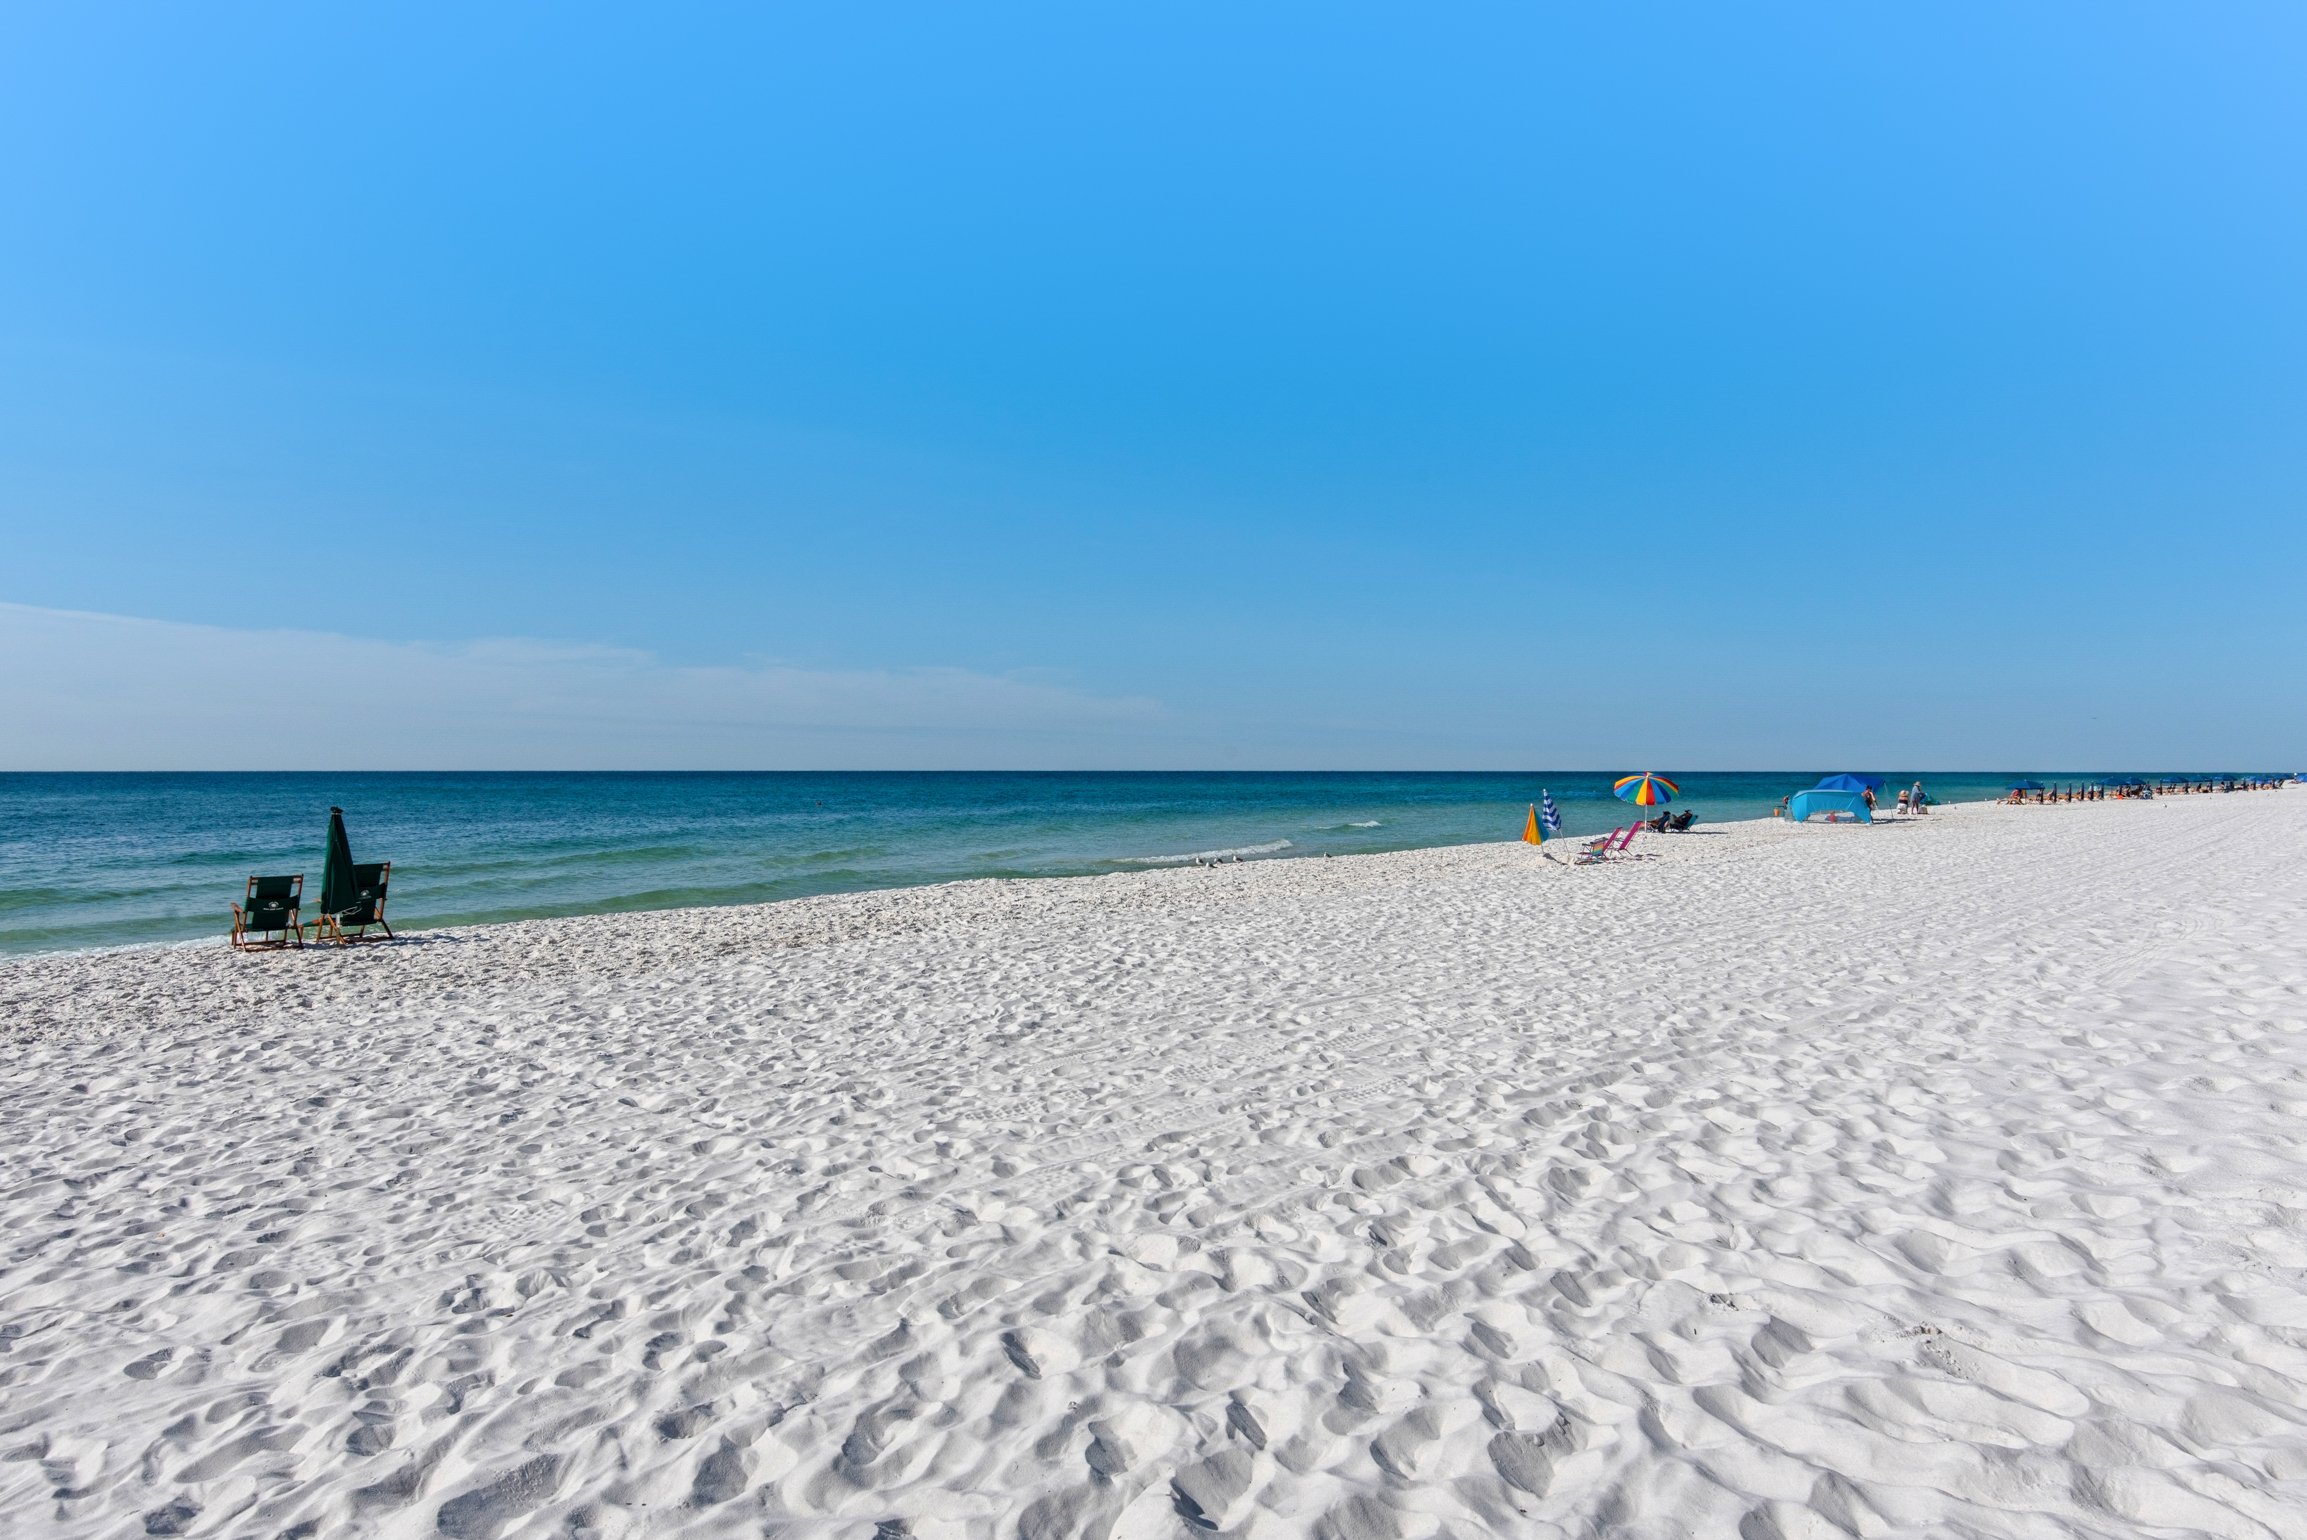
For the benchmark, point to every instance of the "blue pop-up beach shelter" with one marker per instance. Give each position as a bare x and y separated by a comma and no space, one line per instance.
1826,800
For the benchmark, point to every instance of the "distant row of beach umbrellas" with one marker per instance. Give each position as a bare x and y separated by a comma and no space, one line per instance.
2168,780
1649,790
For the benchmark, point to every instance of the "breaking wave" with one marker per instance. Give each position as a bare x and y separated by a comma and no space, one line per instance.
1204,855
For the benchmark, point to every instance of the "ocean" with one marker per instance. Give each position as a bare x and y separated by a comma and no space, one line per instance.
105,860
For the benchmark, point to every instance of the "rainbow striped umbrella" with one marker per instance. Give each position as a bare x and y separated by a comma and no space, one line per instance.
1646,790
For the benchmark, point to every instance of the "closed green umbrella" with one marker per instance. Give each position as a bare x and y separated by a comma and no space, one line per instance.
336,882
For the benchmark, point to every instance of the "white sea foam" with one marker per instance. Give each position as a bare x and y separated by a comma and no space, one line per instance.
1446,1192
1205,855
1367,824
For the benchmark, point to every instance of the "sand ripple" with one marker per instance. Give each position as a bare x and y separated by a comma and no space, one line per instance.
1938,1179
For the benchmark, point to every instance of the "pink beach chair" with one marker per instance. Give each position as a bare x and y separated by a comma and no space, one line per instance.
1612,844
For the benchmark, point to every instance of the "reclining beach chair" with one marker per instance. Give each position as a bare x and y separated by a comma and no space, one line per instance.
368,886
1613,843
270,910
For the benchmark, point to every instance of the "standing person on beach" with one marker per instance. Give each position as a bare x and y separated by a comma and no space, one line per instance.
1916,799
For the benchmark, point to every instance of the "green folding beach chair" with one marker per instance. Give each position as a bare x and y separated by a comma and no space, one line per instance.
270,911
368,891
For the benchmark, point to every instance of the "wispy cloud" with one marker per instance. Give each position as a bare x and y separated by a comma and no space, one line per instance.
90,692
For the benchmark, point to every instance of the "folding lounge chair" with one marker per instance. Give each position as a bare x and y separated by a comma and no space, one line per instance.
368,886
271,909
1598,851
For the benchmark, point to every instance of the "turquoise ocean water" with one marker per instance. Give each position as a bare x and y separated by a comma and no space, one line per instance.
96,860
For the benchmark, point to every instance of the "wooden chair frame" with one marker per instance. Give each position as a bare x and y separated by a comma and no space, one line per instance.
246,922
330,927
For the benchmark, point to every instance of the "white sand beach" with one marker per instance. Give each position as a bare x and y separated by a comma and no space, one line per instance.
1940,1178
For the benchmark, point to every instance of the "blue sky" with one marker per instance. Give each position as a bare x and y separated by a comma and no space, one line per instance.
1329,386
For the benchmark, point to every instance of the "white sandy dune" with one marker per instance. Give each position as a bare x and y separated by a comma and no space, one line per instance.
1941,1179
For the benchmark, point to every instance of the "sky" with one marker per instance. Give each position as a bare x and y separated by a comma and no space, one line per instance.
1338,386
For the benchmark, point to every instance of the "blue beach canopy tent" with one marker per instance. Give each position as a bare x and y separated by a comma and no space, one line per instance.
2024,786
1850,783
1817,800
